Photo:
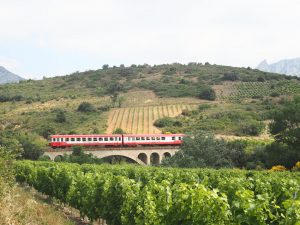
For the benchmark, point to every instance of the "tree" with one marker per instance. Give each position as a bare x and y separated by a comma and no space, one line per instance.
230,76
32,144
118,131
286,130
46,131
60,117
202,150
105,66
286,123
86,107
77,151
114,98
207,93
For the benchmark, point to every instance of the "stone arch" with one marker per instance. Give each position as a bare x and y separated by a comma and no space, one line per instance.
58,158
143,157
137,160
167,155
154,158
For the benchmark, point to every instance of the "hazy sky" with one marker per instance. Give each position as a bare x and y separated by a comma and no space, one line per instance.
55,37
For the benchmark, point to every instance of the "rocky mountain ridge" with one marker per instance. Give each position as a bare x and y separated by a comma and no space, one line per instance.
285,66
8,77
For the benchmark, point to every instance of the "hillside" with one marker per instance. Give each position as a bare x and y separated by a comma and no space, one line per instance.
285,66
143,94
8,77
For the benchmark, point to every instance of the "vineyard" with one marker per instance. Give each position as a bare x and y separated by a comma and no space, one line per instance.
139,195
141,119
240,90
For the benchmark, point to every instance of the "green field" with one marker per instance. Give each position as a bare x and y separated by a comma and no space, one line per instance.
140,119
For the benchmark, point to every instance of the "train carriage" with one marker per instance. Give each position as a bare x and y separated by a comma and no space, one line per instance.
111,140
152,139
58,141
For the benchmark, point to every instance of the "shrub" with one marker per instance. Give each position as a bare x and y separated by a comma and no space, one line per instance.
207,93
230,76
119,131
274,94
86,107
203,107
164,122
60,117
252,128
278,168
296,167
104,108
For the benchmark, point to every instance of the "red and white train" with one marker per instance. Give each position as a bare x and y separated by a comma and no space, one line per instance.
111,140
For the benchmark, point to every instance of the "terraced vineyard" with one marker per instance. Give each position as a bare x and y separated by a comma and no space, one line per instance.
141,119
240,90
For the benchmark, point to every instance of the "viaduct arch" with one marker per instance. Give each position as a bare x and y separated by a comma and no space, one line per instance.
143,156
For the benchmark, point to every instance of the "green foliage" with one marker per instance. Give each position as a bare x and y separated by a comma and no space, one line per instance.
119,131
201,149
286,123
140,195
77,151
86,107
167,122
6,170
230,76
32,145
46,130
207,93
231,121
60,117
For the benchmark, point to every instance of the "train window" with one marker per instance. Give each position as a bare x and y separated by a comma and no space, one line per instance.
143,138
111,139
158,138
163,138
137,138
119,139
72,139
173,138
180,138
153,138
53,139
89,139
61,139
100,139
94,139
83,139
67,139
148,138
105,139
77,139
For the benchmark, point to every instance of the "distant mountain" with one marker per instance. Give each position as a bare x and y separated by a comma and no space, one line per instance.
286,66
8,77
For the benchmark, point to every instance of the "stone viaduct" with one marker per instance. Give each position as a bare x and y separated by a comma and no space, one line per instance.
143,156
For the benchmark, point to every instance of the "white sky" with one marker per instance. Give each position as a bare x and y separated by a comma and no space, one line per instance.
55,37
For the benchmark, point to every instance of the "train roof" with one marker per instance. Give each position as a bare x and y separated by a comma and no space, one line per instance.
114,135
152,135
85,135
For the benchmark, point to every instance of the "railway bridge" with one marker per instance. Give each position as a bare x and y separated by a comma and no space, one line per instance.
141,155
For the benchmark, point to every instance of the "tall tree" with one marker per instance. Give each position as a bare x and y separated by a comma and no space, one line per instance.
286,123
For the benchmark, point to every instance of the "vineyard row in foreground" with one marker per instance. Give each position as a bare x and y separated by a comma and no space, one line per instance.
138,195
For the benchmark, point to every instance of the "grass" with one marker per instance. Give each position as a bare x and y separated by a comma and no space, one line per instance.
20,206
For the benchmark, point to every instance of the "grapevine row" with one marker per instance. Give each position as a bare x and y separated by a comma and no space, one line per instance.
138,195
